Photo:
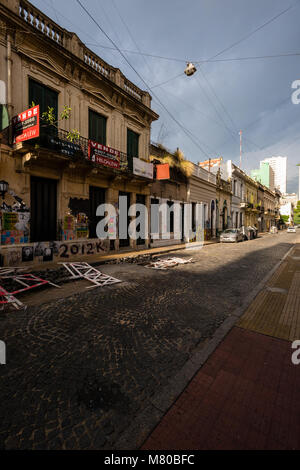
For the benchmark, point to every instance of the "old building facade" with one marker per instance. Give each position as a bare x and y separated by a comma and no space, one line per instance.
58,179
202,194
224,197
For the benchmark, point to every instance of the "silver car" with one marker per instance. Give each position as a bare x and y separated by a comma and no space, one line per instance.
232,235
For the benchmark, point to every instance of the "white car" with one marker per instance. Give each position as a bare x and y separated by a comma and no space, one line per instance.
232,235
291,230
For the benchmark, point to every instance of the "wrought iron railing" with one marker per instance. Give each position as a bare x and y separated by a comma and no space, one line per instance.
58,140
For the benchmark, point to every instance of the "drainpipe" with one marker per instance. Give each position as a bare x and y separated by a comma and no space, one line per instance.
9,76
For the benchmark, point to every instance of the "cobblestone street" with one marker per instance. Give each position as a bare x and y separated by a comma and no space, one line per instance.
81,368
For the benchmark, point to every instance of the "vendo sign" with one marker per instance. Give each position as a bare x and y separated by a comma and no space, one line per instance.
103,155
26,125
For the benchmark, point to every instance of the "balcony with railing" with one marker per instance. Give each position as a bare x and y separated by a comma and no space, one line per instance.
203,174
60,144
244,204
34,17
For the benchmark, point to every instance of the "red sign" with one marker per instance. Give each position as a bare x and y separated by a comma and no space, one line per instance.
163,171
103,155
26,125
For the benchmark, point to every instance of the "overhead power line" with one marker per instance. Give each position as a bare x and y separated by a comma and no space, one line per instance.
255,30
198,61
139,75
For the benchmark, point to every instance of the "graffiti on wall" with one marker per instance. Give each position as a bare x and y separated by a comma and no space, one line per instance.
55,251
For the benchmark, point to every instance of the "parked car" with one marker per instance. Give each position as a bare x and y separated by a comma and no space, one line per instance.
274,229
291,230
248,232
231,235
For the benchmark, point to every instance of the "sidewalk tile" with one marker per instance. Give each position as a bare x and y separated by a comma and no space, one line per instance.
237,408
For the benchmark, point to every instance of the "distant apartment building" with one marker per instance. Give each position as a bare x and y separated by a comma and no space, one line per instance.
264,175
278,165
287,209
291,197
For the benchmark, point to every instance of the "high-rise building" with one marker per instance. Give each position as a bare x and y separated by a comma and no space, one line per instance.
278,165
265,175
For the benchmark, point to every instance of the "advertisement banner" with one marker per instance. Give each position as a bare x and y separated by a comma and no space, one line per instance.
103,155
62,146
142,168
26,125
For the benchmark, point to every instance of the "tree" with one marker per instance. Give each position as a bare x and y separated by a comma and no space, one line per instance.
297,213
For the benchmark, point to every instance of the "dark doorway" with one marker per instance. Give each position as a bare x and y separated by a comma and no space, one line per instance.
123,216
212,213
97,197
43,203
140,199
182,222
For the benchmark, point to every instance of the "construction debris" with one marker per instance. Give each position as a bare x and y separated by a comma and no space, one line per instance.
9,271
85,271
14,278
8,298
167,263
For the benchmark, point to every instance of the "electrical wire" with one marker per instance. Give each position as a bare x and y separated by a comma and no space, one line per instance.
138,74
255,30
173,59
130,35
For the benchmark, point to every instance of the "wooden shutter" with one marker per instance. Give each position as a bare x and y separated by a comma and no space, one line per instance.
132,143
44,96
97,127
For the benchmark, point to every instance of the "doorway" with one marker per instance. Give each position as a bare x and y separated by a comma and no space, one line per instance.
97,197
43,203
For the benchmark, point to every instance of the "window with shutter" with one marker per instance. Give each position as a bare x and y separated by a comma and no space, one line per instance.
132,144
97,127
4,119
44,96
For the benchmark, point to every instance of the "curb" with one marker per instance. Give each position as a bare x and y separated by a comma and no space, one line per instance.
159,404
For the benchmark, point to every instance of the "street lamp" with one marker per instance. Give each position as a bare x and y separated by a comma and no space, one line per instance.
190,69
3,188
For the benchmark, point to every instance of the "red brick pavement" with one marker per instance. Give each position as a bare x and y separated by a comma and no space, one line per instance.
246,396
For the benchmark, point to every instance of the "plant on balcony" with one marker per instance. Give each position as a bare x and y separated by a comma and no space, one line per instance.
175,160
49,119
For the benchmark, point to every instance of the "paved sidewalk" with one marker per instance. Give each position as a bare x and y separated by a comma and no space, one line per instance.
102,259
246,395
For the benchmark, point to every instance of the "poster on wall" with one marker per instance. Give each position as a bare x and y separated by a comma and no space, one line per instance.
26,125
103,155
27,253
48,254
9,220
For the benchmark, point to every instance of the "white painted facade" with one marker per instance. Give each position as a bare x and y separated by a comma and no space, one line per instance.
279,166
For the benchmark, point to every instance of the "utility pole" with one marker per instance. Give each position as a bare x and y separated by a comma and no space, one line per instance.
240,149
299,182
